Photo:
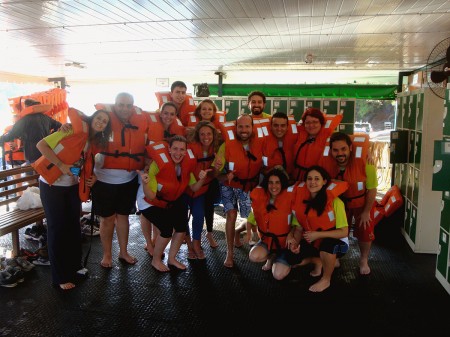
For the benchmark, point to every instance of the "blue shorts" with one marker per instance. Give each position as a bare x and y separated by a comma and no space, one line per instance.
231,197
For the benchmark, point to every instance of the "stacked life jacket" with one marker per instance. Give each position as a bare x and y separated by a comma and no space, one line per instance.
201,163
308,217
126,146
185,109
245,164
69,151
274,220
355,171
170,186
156,130
307,151
274,155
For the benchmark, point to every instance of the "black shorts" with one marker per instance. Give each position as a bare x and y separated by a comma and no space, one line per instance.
110,199
167,220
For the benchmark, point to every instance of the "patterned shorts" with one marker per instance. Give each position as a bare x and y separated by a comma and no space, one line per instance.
231,197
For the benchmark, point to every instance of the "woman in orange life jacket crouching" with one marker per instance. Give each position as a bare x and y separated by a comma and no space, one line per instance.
170,173
62,152
325,229
272,215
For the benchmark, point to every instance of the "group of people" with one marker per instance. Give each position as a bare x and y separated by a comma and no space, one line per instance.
177,162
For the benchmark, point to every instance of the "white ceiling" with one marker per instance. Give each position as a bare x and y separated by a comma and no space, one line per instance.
134,40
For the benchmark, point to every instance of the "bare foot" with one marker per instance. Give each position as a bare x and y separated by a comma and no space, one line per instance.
127,258
106,263
199,254
159,266
67,286
150,249
364,268
237,240
212,242
320,285
317,270
229,263
177,264
268,265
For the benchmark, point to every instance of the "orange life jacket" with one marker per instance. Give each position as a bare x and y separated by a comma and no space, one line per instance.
355,171
202,163
273,225
219,118
310,220
156,129
15,152
69,150
186,107
307,152
126,146
245,164
392,200
273,155
170,187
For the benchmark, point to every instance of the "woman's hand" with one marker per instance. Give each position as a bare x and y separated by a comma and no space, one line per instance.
311,236
203,174
91,180
144,176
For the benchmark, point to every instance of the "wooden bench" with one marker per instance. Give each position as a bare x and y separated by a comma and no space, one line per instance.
12,182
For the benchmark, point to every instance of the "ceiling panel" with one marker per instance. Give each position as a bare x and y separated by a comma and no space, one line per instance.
140,39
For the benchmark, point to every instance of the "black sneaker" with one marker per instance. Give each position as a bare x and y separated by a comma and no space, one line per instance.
7,280
35,232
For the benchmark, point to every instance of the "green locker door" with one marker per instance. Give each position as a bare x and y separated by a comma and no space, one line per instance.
419,123
407,223
405,112
399,148
346,128
231,107
413,224
445,211
313,103
404,170
398,175
410,184
280,105
412,112
296,108
417,149
347,108
399,114
218,102
416,187
330,106
442,264
412,146
441,166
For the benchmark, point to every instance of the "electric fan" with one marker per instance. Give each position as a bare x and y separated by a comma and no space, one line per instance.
437,69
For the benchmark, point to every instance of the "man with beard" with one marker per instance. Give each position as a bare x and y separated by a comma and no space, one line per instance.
256,103
346,164
239,160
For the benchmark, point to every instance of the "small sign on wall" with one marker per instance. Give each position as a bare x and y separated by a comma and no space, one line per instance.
162,82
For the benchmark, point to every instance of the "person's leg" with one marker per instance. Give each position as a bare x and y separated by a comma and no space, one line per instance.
364,248
242,227
211,198
230,207
160,245
122,231
147,232
328,260
106,237
177,240
198,215
54,202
